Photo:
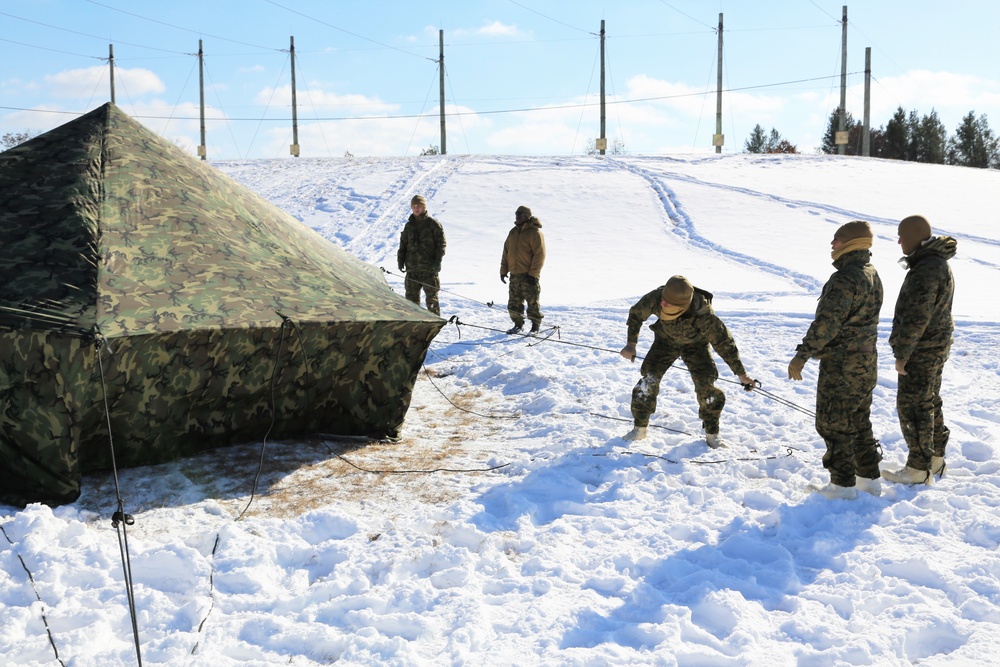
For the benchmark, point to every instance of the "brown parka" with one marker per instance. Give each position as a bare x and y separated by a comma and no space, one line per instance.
524,249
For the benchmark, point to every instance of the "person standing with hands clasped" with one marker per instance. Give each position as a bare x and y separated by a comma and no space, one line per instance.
921,339
523,257
421,249
685,326
842,336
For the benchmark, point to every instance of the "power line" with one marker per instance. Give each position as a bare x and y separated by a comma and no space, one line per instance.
545,16
348,32
83,34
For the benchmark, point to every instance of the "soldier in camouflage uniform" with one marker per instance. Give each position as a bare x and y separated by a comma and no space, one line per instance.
921,340
421,249
842,336
686,325
523,257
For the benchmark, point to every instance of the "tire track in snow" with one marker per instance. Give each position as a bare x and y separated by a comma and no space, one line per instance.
685,227
386,222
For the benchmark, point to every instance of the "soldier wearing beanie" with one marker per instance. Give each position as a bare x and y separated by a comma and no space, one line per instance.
685,326
421,249
921,341
523,258
842,336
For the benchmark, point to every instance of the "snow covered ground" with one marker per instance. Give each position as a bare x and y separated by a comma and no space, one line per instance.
512,525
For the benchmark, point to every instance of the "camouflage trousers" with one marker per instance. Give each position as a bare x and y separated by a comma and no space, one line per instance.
843,416
918,402
429,282
520,290
703,371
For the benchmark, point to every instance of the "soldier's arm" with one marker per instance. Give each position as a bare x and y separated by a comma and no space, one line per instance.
914,309
724,345
831,312
538,255
640,312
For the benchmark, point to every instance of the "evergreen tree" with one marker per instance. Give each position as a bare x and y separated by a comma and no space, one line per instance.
974,144
757,143
913,130
930,139
897,136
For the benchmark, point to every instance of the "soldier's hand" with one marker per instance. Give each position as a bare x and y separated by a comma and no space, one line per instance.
401,269
900,366
503,278
530,279
795,368
747,382
628,352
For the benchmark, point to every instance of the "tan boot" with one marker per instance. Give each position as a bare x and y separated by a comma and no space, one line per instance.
714,441
637,433
835,492
872,486
908,475
937,466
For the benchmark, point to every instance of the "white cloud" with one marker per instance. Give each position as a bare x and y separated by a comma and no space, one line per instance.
84,82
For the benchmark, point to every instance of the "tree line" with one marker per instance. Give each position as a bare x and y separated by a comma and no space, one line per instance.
906,136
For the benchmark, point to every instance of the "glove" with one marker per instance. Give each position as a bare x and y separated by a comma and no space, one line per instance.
531,280
795,368
503,278
900,367
401,269
628,352
748,382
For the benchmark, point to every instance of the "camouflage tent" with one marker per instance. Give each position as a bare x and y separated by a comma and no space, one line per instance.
150,302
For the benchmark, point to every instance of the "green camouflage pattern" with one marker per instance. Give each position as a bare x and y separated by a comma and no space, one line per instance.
205,303
843,336
922,319
922,329
843,415
848,309
421,245
918,403
687,337
523,289
429,282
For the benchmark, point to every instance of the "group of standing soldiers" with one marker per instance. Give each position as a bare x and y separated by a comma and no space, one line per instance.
843,336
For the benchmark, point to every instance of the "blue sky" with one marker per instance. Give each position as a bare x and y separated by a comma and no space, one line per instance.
522,77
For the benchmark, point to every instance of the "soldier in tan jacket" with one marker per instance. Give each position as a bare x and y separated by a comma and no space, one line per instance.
523,257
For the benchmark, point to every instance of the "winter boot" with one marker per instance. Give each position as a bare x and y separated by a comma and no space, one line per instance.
872,486
909,475
714,441
637,433
535,326
937,466
835,492
516,329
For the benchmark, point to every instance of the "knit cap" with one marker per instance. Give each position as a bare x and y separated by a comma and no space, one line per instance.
522,209
418,199
678,291
856,229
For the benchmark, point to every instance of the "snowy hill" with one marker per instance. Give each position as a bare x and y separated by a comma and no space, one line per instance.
512,525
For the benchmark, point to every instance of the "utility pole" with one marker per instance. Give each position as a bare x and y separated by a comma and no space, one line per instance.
202,151
111,62
602,143
444,134
866,138
841,138
719,138
294,148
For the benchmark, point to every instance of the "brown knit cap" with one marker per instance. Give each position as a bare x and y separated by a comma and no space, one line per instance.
418,199
856,229
678,291
523,209
913,230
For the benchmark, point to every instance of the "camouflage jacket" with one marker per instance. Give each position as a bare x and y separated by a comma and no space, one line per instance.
421,245
923,308
524,249
698,326
847,314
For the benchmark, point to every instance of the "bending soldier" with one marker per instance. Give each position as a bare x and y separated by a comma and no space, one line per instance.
685,326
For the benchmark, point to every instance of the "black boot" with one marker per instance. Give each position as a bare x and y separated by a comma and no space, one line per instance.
535,326
516,329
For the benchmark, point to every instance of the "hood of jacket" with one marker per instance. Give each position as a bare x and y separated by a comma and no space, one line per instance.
943,246
530,222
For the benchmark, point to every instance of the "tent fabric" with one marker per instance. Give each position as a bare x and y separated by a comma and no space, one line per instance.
140,287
